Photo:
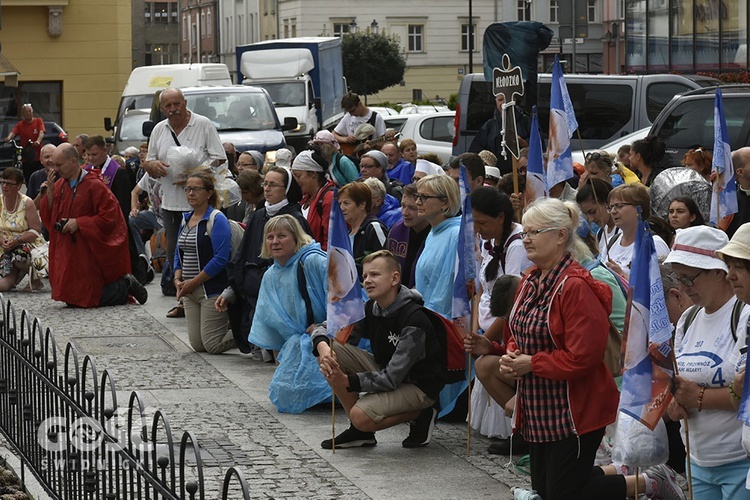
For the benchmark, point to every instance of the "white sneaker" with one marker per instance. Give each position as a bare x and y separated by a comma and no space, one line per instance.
667,487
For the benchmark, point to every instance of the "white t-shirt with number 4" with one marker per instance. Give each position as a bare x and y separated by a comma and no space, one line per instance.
708,355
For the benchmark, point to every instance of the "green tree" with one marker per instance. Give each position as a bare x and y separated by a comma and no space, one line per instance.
372,61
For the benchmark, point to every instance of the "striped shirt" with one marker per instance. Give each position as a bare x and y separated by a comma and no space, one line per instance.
189,247
546,408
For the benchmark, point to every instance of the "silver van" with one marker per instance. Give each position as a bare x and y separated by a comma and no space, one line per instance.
607,106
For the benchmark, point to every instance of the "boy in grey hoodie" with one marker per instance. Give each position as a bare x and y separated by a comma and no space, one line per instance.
402,378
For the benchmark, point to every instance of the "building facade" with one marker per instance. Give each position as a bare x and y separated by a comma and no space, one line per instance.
435,40
199,29
687,35
238,25
74,58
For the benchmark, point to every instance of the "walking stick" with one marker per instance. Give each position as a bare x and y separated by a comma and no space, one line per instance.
474,326
333,410
688,468
515,185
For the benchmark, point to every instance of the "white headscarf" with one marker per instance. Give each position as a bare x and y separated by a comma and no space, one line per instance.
305,161
429,168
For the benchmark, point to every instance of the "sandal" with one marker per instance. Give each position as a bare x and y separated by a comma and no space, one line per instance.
177,311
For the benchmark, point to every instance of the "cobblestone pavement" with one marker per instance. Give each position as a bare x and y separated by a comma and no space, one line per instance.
223,400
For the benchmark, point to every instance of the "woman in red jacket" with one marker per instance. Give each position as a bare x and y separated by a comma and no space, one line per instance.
557,335
309,169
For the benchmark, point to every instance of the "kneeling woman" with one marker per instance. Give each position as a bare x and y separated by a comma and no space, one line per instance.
203,248
292,297
557,335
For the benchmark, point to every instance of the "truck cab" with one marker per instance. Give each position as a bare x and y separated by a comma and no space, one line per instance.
303,76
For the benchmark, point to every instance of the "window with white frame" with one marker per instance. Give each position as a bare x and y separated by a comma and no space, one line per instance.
209,26
286,28
184,28
591,11
340,29
293,27
621,9
415,36
465,38
524,10
203,25
554,7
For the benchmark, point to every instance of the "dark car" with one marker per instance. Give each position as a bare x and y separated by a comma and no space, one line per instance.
54,134
688,121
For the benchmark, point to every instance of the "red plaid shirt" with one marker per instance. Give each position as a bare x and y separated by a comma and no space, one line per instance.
546,415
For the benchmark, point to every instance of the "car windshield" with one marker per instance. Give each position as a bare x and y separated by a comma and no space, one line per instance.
135,102
131,128
234,111
691,123
287,94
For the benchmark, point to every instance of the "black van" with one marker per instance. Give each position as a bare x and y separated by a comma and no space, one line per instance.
688,121
607,106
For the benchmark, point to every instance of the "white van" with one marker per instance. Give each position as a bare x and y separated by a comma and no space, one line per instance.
607,107
144,82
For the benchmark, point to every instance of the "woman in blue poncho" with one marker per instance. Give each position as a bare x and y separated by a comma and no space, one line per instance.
292,297
438,202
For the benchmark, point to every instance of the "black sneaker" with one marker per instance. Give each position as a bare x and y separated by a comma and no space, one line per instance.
136,289
420,430
351,438
502,447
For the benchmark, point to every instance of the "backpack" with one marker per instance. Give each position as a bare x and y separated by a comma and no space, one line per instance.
450,339
236,229
736,312
158,245
319,205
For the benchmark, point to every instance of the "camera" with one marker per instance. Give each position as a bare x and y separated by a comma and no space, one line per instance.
59,225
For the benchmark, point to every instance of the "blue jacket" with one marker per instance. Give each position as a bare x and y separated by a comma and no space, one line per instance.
402,171
213,250
390,212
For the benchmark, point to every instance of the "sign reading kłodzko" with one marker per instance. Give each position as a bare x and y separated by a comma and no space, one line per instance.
508,82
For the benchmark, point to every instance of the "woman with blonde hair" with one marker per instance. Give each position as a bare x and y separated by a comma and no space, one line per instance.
557,334
438,202
292,297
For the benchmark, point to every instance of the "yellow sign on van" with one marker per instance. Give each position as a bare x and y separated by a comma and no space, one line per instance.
161,82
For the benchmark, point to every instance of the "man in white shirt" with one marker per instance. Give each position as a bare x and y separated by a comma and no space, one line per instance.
356,114
181,128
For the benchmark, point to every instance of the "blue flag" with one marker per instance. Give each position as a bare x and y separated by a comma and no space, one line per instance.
744,413
562,124
724,192
345,305
466,273
648,363
536,179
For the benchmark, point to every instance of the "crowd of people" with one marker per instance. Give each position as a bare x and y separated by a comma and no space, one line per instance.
552,284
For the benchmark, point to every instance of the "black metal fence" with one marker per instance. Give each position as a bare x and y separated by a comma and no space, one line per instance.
63,419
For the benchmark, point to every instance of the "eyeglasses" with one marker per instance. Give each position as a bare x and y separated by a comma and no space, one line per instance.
689,281
189,189
617,207
9,183
536,232
271,184
422,198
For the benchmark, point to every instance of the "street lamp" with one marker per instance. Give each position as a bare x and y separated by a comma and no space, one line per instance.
353,27
374,27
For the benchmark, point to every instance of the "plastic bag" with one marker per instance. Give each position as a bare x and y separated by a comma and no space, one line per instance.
226,188
638,446
182,161
297,383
